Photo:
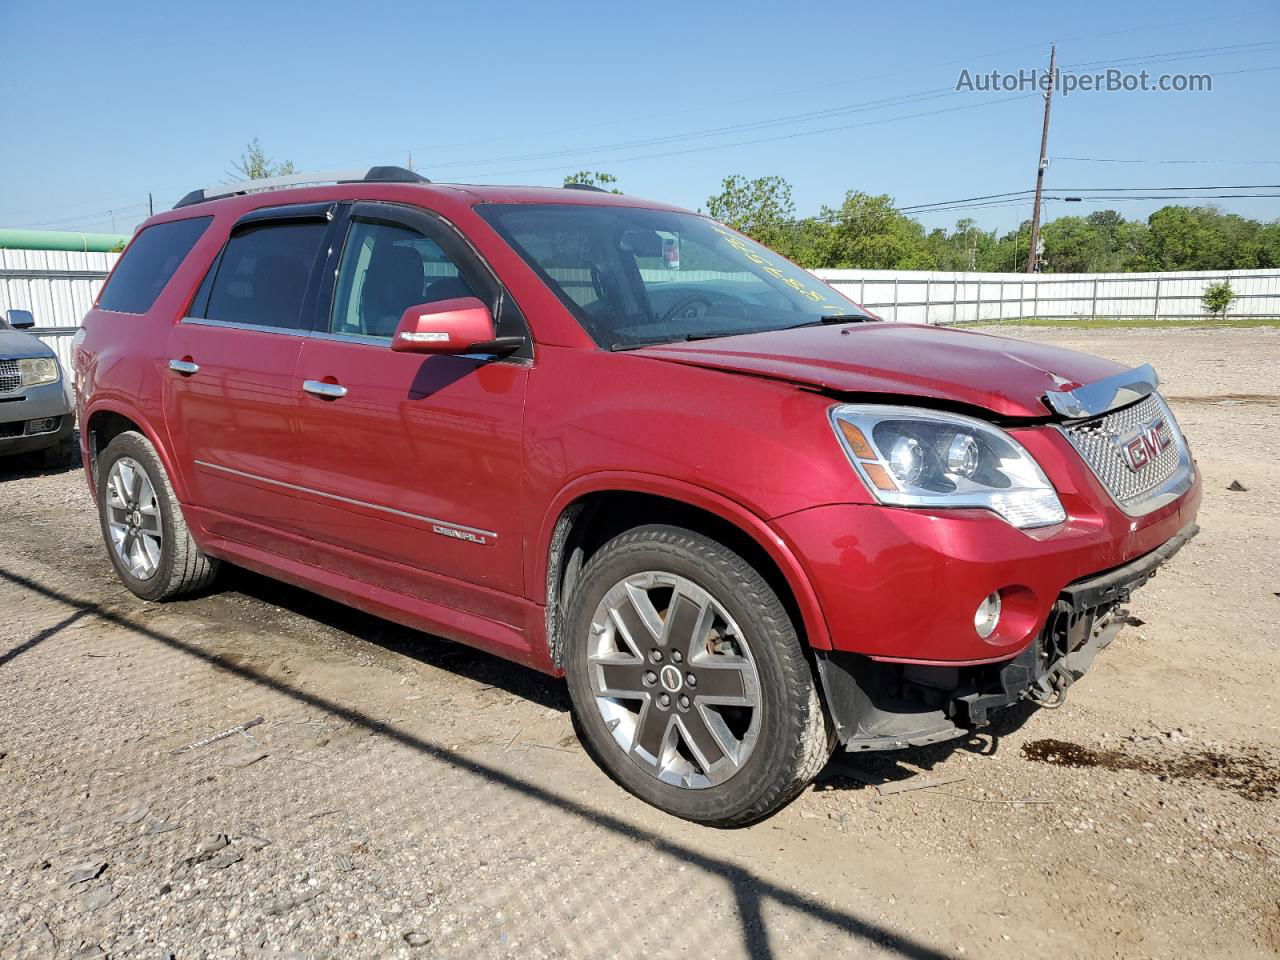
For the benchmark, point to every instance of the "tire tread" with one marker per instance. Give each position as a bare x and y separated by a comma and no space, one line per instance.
812,748
186,569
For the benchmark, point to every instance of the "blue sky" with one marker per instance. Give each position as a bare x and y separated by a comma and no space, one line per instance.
102,103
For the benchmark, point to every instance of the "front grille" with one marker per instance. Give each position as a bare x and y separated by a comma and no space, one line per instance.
10,379
1101,441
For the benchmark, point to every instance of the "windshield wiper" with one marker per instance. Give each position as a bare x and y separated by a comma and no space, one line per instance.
682,338
717,334
833,318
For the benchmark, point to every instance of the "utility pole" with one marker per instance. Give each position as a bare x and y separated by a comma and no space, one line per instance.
411,160
1032,254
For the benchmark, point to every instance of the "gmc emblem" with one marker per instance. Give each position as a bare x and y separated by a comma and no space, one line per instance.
1138,451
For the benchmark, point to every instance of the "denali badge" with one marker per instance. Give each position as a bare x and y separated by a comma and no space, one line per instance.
1140,448
459,534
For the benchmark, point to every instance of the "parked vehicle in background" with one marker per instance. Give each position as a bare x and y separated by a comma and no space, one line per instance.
36,402
617,441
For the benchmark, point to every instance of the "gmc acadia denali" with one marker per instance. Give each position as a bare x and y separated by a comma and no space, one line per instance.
618,442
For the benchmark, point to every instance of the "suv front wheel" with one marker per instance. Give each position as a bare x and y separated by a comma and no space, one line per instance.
688,679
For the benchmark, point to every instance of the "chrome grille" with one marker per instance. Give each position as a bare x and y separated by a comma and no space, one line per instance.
10,380
1100,441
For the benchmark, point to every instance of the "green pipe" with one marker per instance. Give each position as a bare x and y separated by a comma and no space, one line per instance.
11,239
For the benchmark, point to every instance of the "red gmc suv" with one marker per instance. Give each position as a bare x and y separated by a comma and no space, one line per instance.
616,441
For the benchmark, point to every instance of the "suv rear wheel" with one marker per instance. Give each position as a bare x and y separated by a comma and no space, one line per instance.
688,679
142,524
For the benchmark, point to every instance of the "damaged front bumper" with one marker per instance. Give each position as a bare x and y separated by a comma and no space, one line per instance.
889,706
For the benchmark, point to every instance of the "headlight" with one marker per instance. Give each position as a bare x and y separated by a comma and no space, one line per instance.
921,458
37,370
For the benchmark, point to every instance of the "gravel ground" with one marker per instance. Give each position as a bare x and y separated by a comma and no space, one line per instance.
403,796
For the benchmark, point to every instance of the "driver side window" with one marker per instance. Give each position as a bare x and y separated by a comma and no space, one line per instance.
385,270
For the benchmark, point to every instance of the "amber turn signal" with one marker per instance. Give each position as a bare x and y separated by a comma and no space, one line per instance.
857,442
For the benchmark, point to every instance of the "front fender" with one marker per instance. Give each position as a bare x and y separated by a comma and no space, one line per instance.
538,560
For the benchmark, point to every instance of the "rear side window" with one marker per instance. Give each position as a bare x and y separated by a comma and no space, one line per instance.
262,275
149,264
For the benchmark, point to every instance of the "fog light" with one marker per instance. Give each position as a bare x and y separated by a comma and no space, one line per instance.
987,616
42,426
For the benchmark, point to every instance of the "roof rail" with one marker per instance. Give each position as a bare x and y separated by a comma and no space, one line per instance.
585,186
371,175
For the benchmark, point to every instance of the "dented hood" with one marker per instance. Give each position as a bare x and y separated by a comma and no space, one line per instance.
1008,377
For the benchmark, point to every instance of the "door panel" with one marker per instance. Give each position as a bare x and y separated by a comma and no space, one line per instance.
232,427
412,478
231,398
419,464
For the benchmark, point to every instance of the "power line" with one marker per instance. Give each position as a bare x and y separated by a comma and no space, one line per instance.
882,103
743,143
1228,186
97,216
1027,201
1130,160
967,59
1170,56
923,207
717,131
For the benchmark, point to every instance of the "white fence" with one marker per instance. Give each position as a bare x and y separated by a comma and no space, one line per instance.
59,287
926,297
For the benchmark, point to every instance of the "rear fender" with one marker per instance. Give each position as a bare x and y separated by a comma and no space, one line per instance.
134,415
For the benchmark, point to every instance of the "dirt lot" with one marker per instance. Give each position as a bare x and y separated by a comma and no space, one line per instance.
408,797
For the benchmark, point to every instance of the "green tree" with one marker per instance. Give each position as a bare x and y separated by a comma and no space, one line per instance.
761,208
1217,298
254,164
597,179
1269,245
866,231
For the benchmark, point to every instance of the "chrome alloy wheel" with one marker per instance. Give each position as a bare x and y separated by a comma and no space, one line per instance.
674,679
133,518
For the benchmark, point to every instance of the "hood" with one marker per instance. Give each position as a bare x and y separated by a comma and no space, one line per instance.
1005,376
15,343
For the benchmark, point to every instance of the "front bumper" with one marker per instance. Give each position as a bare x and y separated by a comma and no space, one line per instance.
48,401
879,705
902,585
30,442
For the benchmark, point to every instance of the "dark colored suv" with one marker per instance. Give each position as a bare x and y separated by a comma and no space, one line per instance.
35,398
617,441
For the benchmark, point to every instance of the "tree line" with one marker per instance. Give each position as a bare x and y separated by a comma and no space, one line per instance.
867,232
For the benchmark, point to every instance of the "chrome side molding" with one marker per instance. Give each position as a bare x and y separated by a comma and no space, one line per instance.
1101,396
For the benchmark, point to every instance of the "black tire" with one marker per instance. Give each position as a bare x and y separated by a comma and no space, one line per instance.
795,735
60,454
182,568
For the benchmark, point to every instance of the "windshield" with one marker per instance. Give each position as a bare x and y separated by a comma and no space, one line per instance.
633,276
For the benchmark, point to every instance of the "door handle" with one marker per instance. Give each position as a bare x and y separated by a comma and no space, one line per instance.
330,391
184,367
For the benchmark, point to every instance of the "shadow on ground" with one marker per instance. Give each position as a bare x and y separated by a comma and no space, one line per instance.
857,771
751,891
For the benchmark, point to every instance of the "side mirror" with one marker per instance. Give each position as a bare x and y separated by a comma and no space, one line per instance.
20,319
460,325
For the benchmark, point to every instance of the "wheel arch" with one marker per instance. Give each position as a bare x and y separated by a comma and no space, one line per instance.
591,511
105,421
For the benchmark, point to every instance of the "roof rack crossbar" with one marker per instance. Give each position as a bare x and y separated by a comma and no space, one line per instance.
383,174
